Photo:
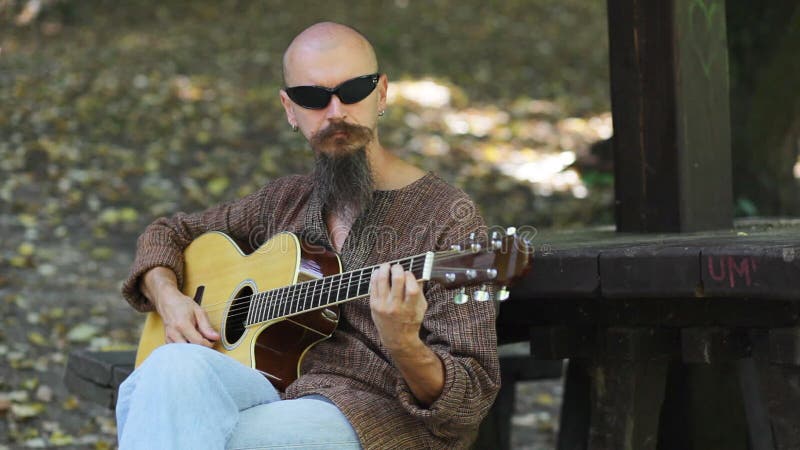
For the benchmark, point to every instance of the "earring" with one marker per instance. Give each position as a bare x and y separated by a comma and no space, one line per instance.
294,128
381,113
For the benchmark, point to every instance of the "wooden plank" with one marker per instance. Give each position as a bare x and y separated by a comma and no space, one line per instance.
96,375
702,97
637,343
703,408
710,345
780,386
88,390
752,270
626,403
573,429
97,366
565,273
650,272
669,97
755,408
562,342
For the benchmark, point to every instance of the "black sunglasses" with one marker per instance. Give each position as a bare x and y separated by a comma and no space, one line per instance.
349,92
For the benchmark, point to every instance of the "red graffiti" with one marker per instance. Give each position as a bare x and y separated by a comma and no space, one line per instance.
732,268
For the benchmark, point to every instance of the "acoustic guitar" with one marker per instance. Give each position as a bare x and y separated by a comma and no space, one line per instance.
271,306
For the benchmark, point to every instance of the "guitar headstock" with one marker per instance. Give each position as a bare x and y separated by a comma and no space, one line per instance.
500,261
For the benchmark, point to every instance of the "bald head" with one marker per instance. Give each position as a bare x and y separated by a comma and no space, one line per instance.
332,43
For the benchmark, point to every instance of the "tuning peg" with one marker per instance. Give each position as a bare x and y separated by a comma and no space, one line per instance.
497,243
481,294
473,244
461,297
503,294
455,247
491,273
511,231
450,277
471,274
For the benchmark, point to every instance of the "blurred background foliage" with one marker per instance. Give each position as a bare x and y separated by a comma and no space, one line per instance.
113,113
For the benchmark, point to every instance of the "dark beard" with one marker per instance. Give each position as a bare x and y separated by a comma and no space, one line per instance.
344,183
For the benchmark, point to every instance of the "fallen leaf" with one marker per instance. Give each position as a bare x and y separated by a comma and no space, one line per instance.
26,249
44,394
26,410
36,338
59,438
82,333
70,403
30,384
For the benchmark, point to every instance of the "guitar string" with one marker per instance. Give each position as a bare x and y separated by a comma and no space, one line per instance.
295,297
279,309
338,285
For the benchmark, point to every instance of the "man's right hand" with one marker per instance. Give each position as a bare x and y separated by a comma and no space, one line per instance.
184,320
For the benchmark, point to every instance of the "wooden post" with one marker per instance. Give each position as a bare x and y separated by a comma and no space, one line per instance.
670,106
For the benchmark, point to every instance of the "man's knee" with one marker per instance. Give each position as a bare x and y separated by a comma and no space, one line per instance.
178,360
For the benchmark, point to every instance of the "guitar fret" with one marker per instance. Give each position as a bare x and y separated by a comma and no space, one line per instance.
317,285
318,291
258,314
364,283
343,286
304,297
263,309
314,286
286,300
350,286
300,298
266,310
295,306
254,314
330,288
290,309
276,303
249,310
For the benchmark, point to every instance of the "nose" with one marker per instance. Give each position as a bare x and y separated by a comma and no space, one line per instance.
335,108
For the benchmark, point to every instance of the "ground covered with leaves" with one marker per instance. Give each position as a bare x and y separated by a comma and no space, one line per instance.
112,114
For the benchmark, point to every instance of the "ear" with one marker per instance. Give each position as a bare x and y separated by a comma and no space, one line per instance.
383,88
288,106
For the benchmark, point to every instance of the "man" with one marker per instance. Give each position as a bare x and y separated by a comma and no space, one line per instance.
404,369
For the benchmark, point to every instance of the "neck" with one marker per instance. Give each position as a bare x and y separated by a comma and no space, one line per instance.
390,172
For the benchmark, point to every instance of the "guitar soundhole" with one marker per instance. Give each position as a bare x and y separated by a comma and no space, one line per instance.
237,315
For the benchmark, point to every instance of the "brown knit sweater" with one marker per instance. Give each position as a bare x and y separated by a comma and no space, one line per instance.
352,368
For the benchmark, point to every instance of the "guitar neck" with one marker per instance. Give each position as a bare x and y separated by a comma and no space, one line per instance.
331,290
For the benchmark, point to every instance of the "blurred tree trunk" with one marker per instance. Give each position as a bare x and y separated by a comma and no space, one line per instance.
764,43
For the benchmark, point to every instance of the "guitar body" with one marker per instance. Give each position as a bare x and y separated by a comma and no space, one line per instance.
222,279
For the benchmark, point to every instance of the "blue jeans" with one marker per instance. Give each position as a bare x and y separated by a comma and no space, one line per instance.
186,396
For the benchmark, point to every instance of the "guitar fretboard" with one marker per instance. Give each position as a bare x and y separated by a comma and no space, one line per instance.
315,294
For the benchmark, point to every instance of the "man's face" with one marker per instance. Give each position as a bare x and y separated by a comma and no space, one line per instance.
337,128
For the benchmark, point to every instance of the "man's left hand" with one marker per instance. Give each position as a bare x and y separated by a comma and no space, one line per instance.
398,307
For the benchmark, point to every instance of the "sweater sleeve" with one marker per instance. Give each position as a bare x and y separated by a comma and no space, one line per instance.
464,337
163,241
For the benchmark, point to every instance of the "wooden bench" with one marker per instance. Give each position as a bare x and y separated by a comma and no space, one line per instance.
674,340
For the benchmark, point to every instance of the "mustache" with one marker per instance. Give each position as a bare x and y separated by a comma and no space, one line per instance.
355,131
